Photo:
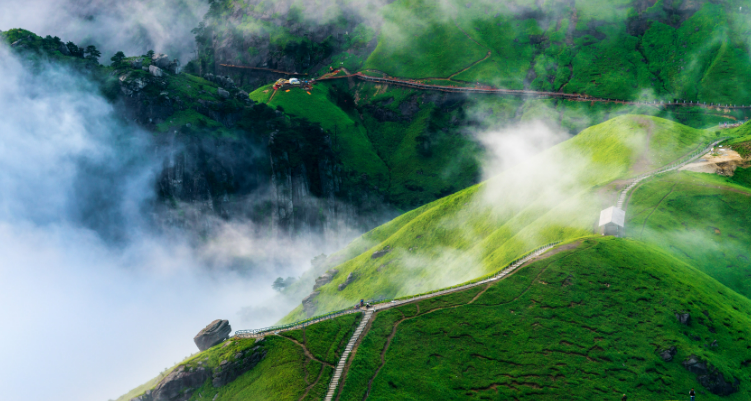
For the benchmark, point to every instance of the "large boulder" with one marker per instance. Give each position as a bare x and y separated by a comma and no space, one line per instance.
155,71
211,335
222,93
162,61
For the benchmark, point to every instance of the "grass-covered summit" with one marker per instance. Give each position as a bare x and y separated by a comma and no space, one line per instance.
552,196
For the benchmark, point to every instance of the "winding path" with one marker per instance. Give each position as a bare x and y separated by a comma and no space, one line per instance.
416,84
675,166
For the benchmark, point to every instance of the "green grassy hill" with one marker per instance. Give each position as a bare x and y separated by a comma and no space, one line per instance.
297,365
553,196
699,218
584,324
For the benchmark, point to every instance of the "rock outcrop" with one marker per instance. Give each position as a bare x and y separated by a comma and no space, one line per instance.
162,61
155,71
683,318
244,361
211,335
325,278
350,278
710,377
308,303
180,384
668,354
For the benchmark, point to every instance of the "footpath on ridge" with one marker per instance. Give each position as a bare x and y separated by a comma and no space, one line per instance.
484,89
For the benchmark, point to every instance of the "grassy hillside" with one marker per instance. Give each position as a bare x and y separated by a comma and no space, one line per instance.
297,365
552,196
701,219
589,323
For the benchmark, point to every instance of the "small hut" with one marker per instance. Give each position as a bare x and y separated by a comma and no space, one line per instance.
612,221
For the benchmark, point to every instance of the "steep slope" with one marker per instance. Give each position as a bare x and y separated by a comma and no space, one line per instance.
552,196
295,366
590,323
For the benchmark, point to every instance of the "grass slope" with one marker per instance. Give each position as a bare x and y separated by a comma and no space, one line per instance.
550,197
588,323
701,219
287,372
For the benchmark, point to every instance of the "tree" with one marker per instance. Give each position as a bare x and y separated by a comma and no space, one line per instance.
74,50
278,284
92,53
150,54
117,58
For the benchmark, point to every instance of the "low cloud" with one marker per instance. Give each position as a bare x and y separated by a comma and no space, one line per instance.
132,26
98,299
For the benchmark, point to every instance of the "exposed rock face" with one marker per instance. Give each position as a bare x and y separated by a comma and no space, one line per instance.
222,93
177,385
244,361
180,384
325,278
211,335
64,49
668,354
350,278
309,305
155,71
382,252
683,318
710,377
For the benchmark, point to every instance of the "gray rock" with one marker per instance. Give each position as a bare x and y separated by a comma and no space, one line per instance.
242,95
228,372
382,252
325,278
16,43
222,93
308,304
137,63
64,49
710,377
668,354
350,278
213,334
176,386
160,60
155,71
683,318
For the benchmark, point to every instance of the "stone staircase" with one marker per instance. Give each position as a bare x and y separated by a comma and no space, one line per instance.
343,360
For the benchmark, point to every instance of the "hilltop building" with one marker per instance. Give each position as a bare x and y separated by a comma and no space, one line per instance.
612,221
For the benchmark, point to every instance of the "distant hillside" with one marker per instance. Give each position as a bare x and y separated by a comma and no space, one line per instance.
553,196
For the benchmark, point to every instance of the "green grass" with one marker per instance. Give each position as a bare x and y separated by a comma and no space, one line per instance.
480,229
702,219
588,323
418,41
283,374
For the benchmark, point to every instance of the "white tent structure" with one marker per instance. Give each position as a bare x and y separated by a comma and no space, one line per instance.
612,221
